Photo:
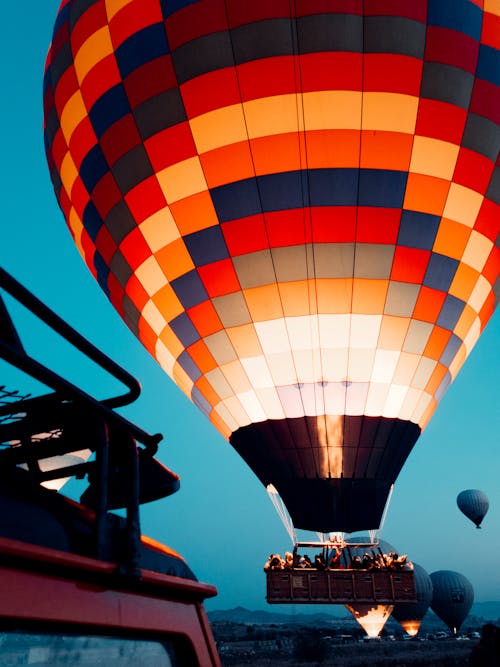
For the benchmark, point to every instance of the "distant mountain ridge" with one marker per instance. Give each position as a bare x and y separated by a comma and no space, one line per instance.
490,611
261,617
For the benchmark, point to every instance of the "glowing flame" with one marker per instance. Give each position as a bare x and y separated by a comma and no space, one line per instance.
410,627
371,618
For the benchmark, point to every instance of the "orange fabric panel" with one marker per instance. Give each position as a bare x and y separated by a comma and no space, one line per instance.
205,318
437,342
369,296
202,356
175,259
194,213
334,295
385,150
426,194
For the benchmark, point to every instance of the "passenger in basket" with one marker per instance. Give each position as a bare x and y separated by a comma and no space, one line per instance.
335,563
368,562
357,563
275,562
307,562
319,562
288,561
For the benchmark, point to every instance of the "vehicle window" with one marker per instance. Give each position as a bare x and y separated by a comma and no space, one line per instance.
52,650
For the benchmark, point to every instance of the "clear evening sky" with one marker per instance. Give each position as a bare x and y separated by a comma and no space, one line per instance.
222,521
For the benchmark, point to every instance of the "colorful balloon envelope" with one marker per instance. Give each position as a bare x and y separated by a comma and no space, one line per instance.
294,207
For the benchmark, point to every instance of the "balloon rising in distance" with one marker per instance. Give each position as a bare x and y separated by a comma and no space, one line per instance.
474,504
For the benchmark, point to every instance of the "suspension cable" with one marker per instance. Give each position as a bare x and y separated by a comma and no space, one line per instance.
282,511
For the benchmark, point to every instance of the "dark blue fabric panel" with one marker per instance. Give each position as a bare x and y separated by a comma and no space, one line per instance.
440,272
333,187
445,383
189,289
92,221
450,350
378,187
418,230
450,312
93,168
143,47
206,246
189,366
169,7
460,15
200,401
185,330
488,66
109,108
281,191
102,270
47,80
236,200
316,187
62,18
78,9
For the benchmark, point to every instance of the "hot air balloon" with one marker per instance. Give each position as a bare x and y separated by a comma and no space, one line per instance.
294,207
371,618
452,597
410,616
474,504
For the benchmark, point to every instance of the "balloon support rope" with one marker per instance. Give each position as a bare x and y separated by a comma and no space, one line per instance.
386,508
282,511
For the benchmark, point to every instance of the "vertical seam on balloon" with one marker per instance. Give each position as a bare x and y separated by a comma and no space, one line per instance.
408,422
348,382
229,29
306,217
449,185
213,407
164,24
410,419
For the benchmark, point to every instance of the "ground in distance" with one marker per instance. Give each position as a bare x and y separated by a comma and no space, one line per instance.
385,653
341,645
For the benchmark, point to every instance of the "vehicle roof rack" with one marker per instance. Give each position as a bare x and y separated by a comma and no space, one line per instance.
49,427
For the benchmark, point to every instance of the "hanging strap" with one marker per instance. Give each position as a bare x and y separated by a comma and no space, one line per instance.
283,514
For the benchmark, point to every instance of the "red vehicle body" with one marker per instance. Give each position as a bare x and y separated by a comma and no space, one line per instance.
79,584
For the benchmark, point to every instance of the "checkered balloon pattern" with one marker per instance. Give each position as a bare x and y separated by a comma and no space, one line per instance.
294,205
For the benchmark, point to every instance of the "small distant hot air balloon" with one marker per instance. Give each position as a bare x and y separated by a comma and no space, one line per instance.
474,504
410,615
452,597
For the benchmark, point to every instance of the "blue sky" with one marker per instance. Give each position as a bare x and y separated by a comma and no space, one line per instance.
222,521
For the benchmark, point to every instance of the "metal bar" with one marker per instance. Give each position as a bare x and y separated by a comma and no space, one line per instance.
130,564
7,329
37,307
67,389
102,473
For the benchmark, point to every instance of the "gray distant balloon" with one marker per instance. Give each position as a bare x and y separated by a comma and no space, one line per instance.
452,597
474,504
409,615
